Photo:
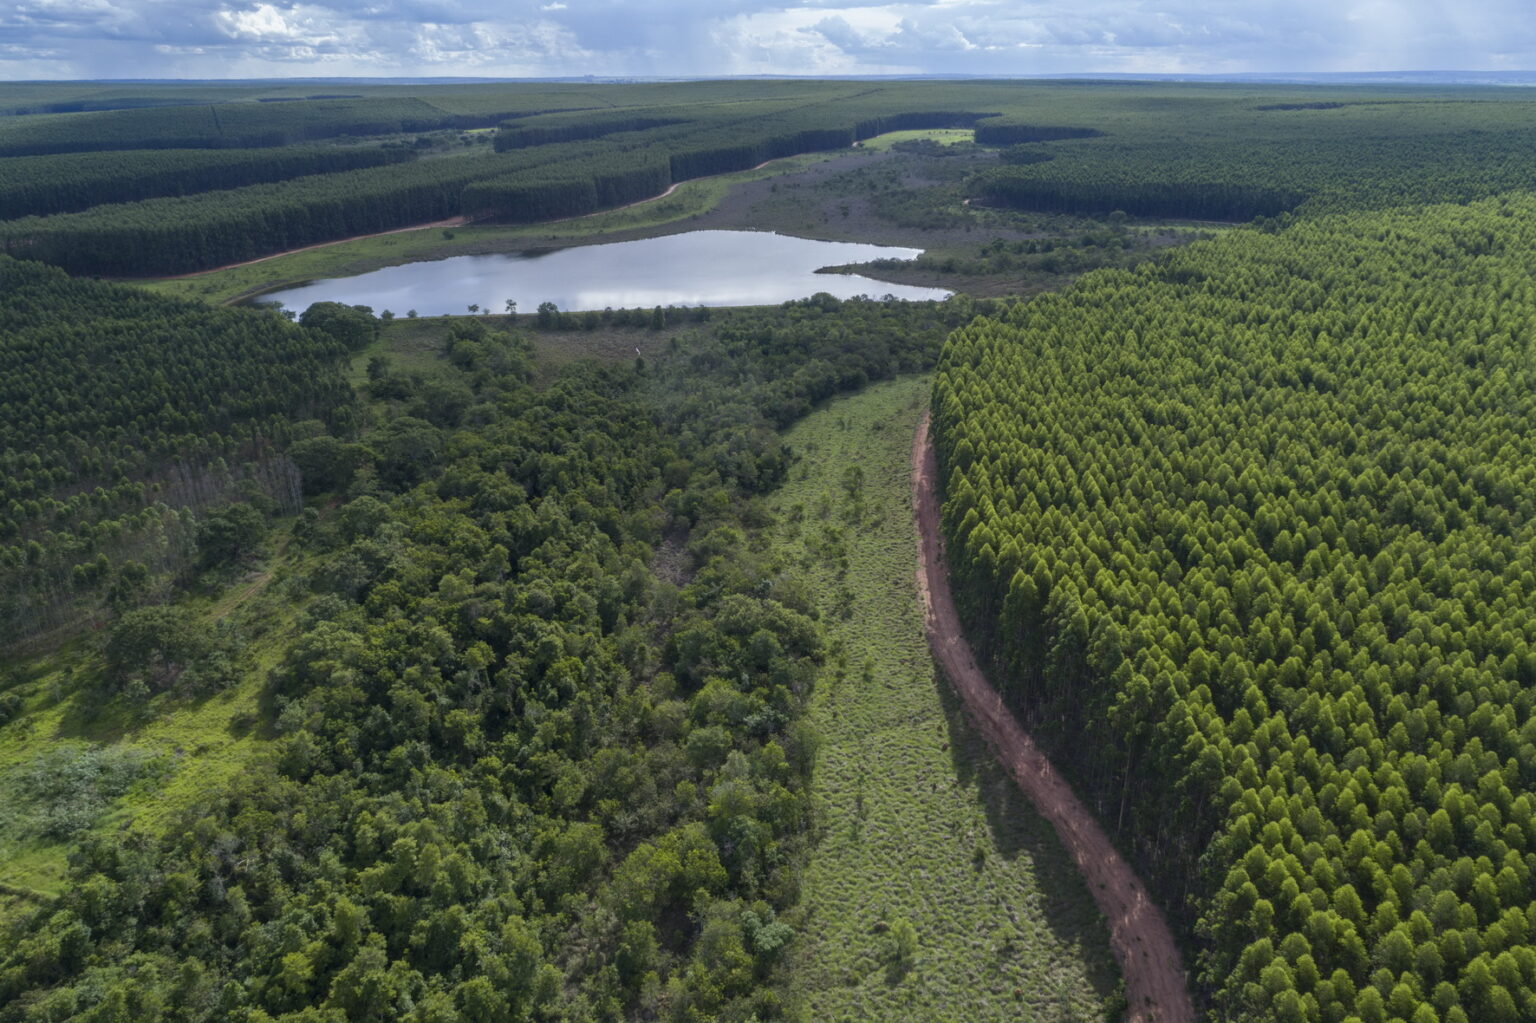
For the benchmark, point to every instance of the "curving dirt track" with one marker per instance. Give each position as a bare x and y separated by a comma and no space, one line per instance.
1149,960
450,222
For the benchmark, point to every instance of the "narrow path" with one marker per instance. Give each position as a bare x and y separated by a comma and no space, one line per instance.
1149,960
614,209
254,584
659,195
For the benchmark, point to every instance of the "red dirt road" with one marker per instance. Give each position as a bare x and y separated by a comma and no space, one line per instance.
1149,960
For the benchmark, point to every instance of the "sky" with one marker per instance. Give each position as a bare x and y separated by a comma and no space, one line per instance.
540,38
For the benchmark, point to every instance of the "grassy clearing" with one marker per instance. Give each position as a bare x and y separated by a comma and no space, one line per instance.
201,744
187,747
411,346
919,825
690,199
943,136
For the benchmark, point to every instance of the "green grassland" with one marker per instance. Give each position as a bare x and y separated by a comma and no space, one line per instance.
943,136
918,823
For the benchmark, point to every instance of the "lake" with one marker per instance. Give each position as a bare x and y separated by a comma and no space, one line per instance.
713,268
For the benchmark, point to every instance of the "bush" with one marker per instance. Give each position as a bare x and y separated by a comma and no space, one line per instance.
229,534
153,645
903,945
65,791
352,325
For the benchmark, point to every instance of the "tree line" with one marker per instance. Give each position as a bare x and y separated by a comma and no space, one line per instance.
123,410
43,185
1248,164
244,125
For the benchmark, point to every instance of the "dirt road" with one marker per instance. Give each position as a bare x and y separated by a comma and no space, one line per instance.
1155,984
658,196
614,209
450,222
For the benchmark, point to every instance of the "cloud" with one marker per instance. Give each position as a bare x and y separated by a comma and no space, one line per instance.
254,24
840,34
145,38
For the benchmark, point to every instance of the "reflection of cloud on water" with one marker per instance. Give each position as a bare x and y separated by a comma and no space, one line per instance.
843,286
606,298
716,268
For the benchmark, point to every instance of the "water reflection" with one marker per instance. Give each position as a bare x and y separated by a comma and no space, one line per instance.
714,268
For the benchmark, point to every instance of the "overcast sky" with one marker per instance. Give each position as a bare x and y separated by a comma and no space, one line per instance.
268,38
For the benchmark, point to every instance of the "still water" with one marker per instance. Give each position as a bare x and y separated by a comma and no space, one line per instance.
714,268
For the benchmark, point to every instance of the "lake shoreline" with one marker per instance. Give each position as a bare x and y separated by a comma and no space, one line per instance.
715,268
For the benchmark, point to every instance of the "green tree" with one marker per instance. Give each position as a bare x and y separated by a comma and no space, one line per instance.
229,534
352,325
153,645
327,463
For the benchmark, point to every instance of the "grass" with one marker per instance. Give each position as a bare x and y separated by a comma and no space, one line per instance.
411,346
919,825
690,199
202,742
195,745
943,136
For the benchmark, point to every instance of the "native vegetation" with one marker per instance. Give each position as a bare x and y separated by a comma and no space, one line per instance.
537,734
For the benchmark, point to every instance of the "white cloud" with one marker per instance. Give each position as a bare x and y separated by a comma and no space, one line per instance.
88,38
262,23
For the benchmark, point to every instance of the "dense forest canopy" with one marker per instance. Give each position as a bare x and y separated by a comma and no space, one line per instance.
537,742
1251,535
71,182
124,409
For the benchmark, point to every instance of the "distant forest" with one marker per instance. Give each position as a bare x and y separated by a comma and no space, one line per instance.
176,186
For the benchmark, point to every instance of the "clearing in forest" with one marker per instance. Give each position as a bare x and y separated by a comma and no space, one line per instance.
75,762
922,833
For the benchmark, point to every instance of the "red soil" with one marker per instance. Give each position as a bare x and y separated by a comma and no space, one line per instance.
1155,981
